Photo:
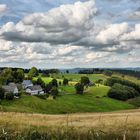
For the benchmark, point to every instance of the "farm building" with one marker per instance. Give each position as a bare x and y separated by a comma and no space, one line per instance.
11,88
35,90
26,84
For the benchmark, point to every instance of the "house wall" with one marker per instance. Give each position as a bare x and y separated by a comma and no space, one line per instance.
15,90
26,86
34,92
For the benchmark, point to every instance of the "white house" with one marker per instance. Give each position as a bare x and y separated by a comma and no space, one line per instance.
26,84
34,90
11,88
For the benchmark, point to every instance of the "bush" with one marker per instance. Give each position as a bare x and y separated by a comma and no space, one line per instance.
65,82
2,92
111,81
54,91
79,88
9,96
122,92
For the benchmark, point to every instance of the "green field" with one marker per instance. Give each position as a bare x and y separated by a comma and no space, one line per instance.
76,77
94,100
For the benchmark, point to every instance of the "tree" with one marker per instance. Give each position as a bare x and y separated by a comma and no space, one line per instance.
54,83
108,73
33,72
67,71
60,83
40,82
54,91
2,93
79,88
19,75
65,82
85,80
48,87
99,81
122,92
7,73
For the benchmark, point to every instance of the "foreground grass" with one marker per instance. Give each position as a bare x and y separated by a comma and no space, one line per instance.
90,126
93,100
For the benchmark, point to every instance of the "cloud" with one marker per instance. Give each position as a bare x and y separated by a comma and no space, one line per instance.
133,36
70,35
3,9
134,15
62,25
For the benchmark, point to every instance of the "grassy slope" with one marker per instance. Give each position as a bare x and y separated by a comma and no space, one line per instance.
68,103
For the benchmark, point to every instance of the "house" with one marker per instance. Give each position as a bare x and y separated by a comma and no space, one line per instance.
11,88
34,90
26,84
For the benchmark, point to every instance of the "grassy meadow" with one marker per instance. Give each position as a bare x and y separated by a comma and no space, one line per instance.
91,116
94,99
123,125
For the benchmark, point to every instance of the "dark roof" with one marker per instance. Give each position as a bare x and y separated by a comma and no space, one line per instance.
35,87
27,82
9,88
12,84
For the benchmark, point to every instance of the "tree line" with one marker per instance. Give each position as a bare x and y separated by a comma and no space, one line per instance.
122,89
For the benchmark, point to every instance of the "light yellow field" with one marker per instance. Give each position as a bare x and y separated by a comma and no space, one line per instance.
104,121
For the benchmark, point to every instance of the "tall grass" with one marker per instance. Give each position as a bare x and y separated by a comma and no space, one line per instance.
107,126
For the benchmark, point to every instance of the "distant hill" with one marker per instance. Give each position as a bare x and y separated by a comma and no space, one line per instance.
76,70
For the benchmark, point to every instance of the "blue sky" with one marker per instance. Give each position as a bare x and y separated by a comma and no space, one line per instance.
70,33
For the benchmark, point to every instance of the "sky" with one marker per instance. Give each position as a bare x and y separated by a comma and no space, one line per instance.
69,33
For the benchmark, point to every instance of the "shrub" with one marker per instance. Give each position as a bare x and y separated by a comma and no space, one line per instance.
79,88
65,82
54,91
9,96
111,81
122,92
